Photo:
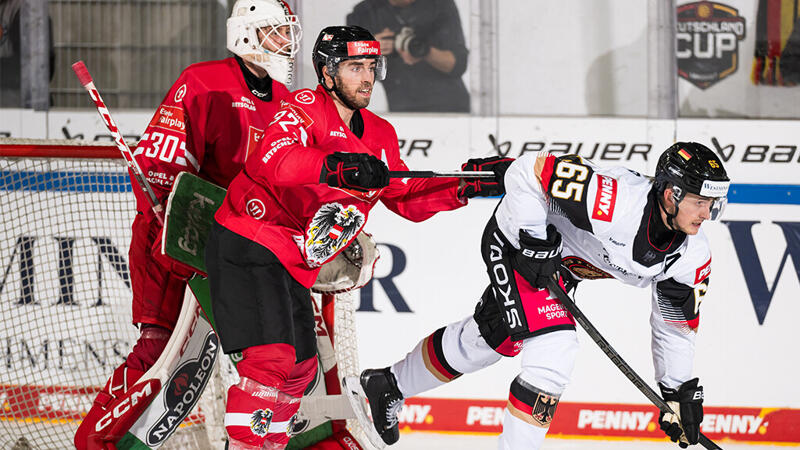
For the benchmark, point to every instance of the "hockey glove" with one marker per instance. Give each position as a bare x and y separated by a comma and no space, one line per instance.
358,171
484,187
683,427
537,260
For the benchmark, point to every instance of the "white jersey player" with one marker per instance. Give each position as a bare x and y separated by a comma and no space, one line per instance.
565,214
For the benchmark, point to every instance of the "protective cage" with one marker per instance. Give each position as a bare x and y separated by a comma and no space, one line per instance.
65,296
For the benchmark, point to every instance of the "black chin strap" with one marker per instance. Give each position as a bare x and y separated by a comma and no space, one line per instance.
335,89
663,207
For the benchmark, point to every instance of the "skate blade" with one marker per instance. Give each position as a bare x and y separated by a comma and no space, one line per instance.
358,400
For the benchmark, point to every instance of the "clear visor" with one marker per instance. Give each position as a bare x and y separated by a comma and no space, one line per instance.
717,207
282,38
379,69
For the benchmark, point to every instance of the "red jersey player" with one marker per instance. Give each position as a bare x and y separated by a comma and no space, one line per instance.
301,199
209,122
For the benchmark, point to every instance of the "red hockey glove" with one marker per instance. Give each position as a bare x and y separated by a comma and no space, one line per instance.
358,171
683,427
538,259
484,187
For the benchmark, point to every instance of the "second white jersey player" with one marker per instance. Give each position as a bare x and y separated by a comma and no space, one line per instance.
565,214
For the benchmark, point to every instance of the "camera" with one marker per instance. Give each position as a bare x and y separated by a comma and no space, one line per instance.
408,41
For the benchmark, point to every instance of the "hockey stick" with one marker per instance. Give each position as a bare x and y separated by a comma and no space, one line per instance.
86,81
434,174
612,354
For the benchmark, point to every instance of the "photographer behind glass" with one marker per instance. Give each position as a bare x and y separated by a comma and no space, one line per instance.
426,55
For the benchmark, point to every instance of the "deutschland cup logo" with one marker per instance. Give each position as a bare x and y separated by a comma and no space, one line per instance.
708,38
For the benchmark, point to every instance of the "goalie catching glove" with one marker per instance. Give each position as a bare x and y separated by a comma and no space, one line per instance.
538,259
484,187
358,171
683,427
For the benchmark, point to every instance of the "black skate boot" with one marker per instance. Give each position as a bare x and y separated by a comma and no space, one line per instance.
385,401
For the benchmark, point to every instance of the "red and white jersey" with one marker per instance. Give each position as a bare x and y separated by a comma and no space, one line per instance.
278,201
208,124
606,217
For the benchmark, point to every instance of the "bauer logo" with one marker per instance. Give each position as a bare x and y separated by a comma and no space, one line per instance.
183,391
708,38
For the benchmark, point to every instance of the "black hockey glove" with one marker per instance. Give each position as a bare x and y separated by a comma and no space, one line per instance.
537,260
687,402
484,187
358,171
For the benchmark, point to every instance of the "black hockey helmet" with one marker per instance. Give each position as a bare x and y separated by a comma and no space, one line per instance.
693,167
336,44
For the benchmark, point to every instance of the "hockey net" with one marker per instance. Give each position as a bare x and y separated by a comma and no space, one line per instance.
65,296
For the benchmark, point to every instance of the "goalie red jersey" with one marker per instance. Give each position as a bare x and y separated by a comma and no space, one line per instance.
278,200
209,122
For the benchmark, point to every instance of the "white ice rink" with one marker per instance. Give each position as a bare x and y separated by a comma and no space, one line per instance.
441,441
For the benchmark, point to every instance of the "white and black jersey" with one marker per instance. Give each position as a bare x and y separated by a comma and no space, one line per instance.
611,227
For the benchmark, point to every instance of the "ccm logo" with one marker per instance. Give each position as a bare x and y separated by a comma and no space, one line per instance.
125,405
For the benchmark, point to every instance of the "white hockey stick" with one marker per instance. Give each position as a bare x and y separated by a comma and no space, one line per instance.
86,81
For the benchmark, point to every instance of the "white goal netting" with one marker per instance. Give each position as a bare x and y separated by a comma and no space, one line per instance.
65,297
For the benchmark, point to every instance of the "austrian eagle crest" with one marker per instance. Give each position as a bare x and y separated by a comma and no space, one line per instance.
331,229
259,421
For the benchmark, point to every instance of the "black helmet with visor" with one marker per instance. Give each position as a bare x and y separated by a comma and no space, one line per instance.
692,167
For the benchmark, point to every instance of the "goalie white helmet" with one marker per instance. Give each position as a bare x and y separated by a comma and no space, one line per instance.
267,34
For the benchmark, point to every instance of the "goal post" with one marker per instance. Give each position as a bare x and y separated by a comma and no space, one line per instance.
65,297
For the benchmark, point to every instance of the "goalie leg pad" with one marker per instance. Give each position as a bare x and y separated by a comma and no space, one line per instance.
148,348
341,440
256,413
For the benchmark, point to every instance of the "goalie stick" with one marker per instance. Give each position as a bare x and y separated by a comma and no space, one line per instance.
86,81
612,354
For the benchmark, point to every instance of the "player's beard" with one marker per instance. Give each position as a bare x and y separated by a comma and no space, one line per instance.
351,98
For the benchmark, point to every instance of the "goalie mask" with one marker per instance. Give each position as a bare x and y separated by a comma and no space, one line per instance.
692,167
337,44
267,34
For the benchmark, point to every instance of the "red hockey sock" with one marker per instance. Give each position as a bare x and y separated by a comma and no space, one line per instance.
302,374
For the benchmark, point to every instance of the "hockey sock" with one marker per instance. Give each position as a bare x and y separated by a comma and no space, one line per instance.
443,356
267,364
261,408
253,412
528,415
302,374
